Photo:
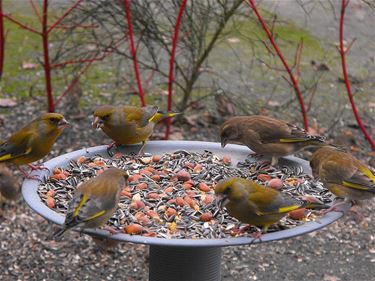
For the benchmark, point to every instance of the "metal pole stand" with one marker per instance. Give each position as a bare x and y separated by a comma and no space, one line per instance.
184,263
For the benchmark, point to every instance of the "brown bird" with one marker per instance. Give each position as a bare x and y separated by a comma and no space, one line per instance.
256,204
128,124
343,174
34,141
9,187
267,136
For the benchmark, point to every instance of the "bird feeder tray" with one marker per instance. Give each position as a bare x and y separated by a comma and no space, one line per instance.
176,259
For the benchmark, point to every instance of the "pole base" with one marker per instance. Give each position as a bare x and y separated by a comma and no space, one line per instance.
184,263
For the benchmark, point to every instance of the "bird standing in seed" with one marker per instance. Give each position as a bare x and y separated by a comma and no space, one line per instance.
267,136
128,124
95,201
34,141
255,204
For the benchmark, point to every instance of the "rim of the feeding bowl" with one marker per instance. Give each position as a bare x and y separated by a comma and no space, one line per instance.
237,153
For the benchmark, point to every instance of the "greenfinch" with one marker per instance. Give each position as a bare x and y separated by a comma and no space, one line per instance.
128,124
34,141
95,201
9,187
255,204
343,174
267,136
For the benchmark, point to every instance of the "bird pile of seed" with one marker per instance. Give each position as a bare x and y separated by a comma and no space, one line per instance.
172,195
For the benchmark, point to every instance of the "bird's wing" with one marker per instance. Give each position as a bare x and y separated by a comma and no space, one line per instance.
360,177
273,204
80,211
276,131
141,116
18,145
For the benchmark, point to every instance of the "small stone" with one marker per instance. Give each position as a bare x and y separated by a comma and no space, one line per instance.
51,202
133,229
81,159
206,217
183,175
141,186
51,193
153,195
297,214
134,178
276,183
264,177
155,177
204,187
156,158
170,212
145,172
198,168
146,160
227,160
180,201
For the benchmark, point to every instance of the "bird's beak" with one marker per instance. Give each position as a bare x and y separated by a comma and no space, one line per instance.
223,142
97,123
126,176
222,200
63,124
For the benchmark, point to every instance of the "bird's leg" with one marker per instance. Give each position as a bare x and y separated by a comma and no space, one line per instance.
140,152
257,235
333,208
110,146
28,176
358,216
37,167
274,161
244,228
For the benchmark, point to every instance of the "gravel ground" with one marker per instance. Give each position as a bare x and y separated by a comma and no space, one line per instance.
343,251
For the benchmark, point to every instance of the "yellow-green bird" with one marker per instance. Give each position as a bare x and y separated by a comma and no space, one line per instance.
9,187
255,204
95,200
343,174
267,136
34,141
128,124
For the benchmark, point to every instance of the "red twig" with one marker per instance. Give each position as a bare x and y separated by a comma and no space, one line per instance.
36,12
20,24
46,64
2,39
133,52
286,66
171,64
344,4
64,16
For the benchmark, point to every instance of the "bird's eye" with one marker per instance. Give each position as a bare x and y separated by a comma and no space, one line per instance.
105,117
227,190
54,120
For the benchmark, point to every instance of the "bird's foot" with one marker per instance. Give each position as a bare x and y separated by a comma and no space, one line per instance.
257,236
111,230
37,167
357,214
333,208
109,148
28,176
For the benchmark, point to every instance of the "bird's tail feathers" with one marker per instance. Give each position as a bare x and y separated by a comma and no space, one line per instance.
159,115
315,205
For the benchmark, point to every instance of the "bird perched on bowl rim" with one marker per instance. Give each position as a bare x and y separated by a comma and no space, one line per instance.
128,124
33,141
95,201
343,174
9,187
255,204
267,136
